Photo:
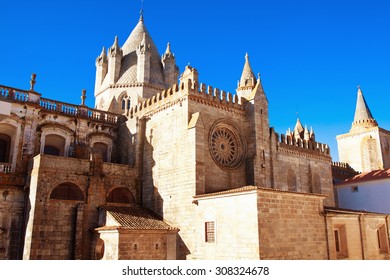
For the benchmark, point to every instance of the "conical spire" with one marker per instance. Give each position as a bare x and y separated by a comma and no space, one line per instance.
298,129
102,58
312,134
363,117
306,135
168,53
115,49
248,79
168,50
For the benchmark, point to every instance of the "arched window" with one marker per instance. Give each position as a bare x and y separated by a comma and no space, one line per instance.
54,145
128,104
291,181
316,183
102,149
67,191
5,143
121,195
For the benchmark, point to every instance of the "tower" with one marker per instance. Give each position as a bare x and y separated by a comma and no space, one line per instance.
132,73
366,146
250,89
171,71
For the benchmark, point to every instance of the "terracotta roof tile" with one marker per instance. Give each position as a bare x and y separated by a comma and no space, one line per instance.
136,217
366,177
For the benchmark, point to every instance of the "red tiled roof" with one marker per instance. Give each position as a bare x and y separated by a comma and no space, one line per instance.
330,209
136,217
366,177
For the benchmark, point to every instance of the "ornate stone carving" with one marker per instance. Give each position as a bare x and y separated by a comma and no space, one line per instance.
226,145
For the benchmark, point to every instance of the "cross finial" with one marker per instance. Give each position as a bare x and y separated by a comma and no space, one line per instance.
141,12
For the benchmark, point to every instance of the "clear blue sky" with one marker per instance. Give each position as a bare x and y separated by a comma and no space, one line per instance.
311,54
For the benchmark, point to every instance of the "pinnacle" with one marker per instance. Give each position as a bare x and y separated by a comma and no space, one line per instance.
247,76
363,117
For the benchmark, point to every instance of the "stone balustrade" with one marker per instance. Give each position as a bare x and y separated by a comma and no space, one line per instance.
6,167
18,95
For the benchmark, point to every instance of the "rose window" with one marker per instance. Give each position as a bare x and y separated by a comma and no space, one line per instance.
226,146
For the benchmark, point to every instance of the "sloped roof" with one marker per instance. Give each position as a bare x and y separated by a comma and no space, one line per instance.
134,217
128,73
330,209
366,177
247,76
363,116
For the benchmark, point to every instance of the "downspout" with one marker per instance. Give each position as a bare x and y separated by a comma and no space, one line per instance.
361,236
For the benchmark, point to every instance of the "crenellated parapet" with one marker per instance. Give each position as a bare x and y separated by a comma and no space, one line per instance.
342,171
303,146
203,94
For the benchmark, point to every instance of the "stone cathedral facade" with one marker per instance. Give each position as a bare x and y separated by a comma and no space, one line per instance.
166,167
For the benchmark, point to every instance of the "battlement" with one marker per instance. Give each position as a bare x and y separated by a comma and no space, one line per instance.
34,98
309,145
203,93
342,171
213,94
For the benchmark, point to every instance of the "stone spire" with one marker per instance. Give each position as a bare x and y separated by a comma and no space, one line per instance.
363,118
170,69
248,79
306,134
312,134
115,49
102,58
168,53
298,130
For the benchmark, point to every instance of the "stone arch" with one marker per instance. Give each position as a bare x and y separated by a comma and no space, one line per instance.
5,146
55,139
67,191
102,149
54,145
9,136
291,181
124,101
101,143
121,195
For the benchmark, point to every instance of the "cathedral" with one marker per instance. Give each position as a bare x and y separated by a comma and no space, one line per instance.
166,167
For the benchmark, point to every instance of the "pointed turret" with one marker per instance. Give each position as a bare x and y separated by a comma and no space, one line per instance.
115,55
306,134
248,85
135,67
143,60
312,134
101,69
171,71
248,79
298,130
363,118
115,49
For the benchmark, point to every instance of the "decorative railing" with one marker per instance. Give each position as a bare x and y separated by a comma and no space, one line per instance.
17,95
6,167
